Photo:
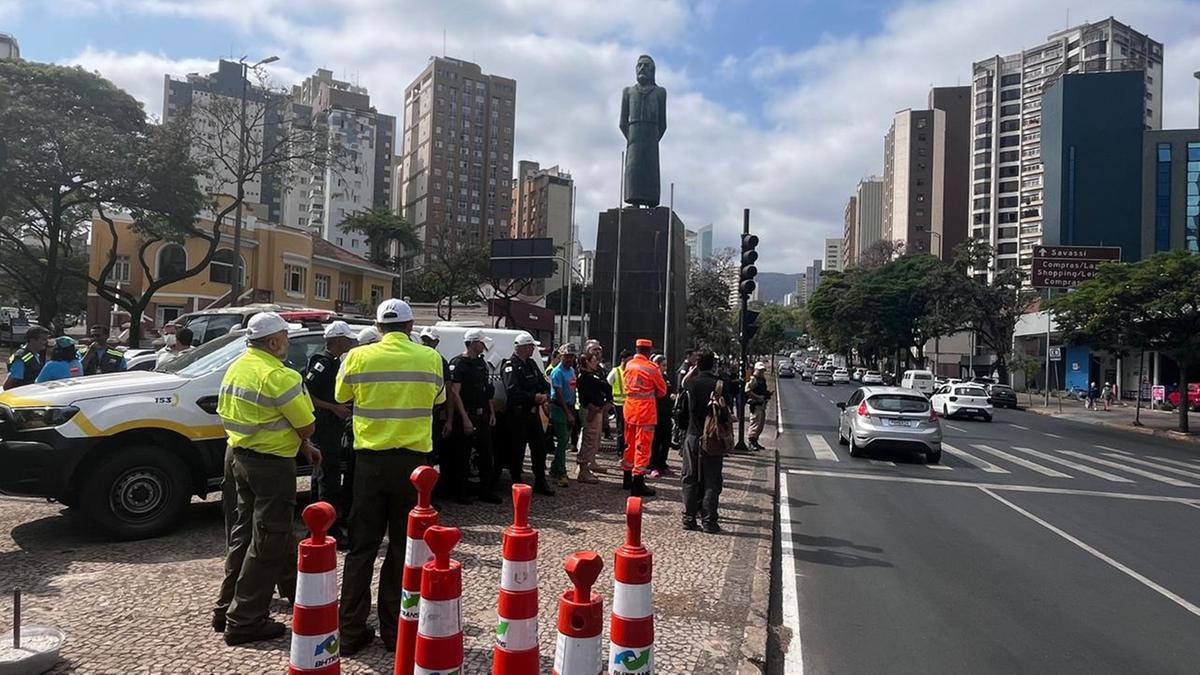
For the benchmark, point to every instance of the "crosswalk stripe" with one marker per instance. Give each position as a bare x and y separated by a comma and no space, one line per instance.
821,447
1152,465
1105,447
973,460
881,462
1174,461
1033,466
1074,465
1130,469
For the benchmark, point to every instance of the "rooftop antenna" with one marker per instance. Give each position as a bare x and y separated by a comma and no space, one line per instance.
443,43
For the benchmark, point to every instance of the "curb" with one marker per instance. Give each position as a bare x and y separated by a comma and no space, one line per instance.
1171,434
753,650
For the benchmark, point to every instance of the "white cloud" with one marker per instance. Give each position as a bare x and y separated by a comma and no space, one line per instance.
821,115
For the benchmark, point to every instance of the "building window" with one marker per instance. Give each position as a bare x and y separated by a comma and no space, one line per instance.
220,269
376,294
120,270
321,283
172,261
1162,199
293,278
1191,222
344,291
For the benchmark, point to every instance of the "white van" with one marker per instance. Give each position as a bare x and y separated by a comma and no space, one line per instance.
918,380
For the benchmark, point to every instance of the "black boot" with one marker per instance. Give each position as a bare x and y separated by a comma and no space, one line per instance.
627,480
640,489
540,487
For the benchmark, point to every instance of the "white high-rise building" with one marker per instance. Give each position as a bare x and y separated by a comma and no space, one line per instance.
1006,164
9,49
868,200
833,254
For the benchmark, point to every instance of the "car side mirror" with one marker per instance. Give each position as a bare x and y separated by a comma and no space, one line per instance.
841,404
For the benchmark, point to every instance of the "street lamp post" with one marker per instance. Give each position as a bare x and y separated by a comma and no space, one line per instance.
1197,76
235,284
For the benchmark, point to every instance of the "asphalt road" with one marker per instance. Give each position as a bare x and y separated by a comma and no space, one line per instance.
1040,546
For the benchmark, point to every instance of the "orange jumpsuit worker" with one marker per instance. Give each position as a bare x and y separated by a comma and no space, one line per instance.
644,384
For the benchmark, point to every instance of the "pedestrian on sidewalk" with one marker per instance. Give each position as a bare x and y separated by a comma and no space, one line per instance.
527,390
1093,393
562,410
1107,395
63,362
472,393
25,363
757,395
662,430
319,378
616,381
595,397
702,396
643,383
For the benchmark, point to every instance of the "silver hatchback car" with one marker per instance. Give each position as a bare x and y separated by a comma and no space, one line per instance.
890,416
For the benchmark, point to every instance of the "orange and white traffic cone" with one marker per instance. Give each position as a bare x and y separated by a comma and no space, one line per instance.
516,650
315,645
580,618
632,649
416,554
439,630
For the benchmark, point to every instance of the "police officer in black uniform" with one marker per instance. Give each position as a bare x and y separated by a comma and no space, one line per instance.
319,377
100,357
527,390
25,363
473,423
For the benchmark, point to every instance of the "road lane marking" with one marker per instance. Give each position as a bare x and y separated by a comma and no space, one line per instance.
1032,466
820,448
793,659
1105,447
939,467
1145,581
1159,467
1130,469
778,411
972,459
881,462
957,428
1018,426
1047,433
1174,461
1074,465
1194,506
993,486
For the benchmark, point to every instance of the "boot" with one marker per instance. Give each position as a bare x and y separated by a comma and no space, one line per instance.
585,475
627,480
640,489
540,487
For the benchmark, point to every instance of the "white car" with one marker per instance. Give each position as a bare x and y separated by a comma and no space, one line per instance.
841,376
960,400
130,449
872,377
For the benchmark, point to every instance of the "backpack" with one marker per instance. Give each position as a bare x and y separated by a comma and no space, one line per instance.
717,437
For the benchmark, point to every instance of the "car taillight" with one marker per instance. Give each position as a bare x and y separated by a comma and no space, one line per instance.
862,409
932,415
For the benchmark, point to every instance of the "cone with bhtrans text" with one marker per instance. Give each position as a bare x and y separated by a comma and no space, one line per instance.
632,629
516,649
315,641
439,629
416,554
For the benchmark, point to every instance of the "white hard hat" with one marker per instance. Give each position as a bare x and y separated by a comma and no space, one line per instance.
338,329
368,335
431,333
265,323
393,310
473,335
760,366
523,339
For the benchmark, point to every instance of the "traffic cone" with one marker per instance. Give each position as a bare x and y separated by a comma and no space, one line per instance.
516,650
632,649
315,644
580,618
439,630
416,554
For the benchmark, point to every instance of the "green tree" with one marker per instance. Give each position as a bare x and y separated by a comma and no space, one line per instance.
383,228
711,319
1029,366
449,274
777,326
992,308
1155,301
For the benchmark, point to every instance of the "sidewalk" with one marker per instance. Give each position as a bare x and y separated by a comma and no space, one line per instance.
1154,422
143,607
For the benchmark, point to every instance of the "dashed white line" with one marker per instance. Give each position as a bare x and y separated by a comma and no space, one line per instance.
821,447
1021,461
939,467
881,462
1018,426
957,428
793,659
1105,447
1101,556
1047,433
1130,469
973,460
1152,465
1074,465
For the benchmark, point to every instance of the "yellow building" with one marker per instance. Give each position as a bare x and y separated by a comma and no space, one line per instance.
281,265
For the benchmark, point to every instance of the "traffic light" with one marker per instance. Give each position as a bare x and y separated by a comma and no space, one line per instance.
748,271
749,325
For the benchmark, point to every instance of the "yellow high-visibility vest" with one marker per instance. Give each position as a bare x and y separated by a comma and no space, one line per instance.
618,386
393,384
261,404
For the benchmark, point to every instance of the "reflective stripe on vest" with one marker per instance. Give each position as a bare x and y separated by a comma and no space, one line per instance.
393,386
255,393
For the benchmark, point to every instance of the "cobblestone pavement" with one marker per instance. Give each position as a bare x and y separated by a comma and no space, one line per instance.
143,607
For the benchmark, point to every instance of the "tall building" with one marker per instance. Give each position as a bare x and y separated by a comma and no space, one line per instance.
1092,129
801,294
542,206
869,221
585,262
691,239
955,105
9,49
913,171
849,233
322,197
704,237
456,168
812,279
1007,168
1170,191
833,254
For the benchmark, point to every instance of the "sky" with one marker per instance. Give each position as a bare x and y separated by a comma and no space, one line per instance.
776,106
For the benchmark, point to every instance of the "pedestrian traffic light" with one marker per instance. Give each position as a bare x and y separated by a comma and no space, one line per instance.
748,271
749,325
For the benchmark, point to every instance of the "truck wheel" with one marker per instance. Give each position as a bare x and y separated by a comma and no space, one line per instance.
137,493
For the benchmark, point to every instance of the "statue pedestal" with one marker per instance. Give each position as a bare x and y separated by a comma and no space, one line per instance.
640,307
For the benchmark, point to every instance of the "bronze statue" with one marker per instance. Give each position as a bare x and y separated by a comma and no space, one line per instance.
643,122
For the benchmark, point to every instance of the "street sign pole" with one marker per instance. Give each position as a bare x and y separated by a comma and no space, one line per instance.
1047,352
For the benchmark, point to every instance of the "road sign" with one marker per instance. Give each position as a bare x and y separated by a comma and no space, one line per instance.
531,258
1068,266
1056,353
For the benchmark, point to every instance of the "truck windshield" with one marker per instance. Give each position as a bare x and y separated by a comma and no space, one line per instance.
208,357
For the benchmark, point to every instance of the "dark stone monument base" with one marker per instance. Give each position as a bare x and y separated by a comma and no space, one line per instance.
641,305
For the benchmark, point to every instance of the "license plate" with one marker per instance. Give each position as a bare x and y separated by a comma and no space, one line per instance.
899,423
